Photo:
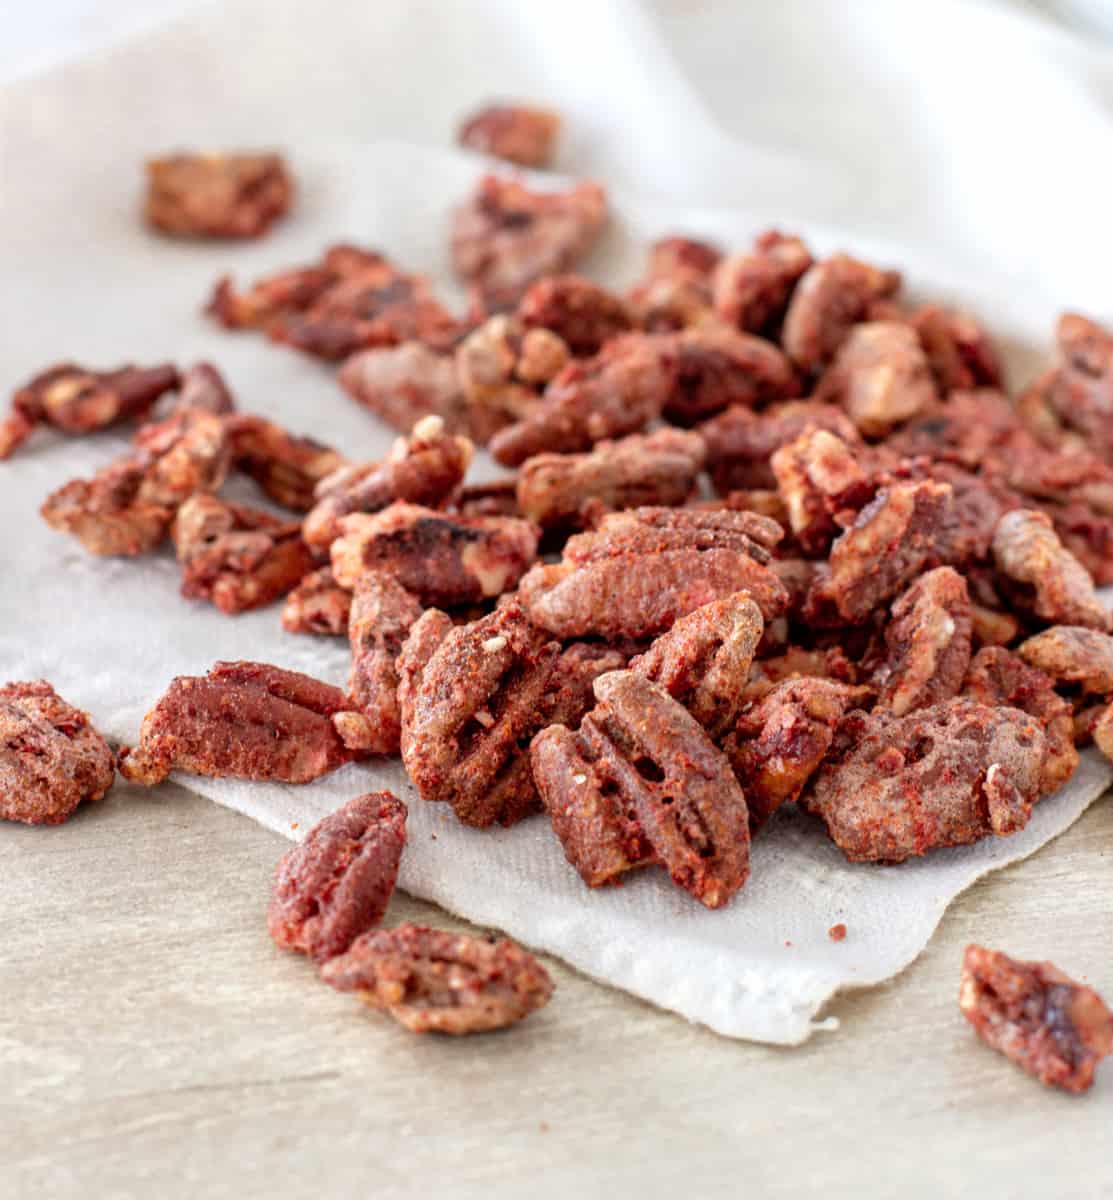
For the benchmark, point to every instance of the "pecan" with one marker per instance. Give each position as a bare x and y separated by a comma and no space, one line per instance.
619,391
1073,654
676,290
1102,732
679,257
967,428
581,313
942,776
1087,534
832,297
442,559
1050,1026
287,467
76,400
572,489
425,468
51,757
425,635
402,384
518,133
336,885
432,981
640,782
794,662
992,628
318,605
203,386
998,677
506,236
217,195
752,288
498,499
237,557
960,352
977,504
249,720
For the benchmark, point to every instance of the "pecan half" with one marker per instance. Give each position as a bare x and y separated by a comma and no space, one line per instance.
752,288
1073,654
581,313
217,195
286,466
402,384
519,133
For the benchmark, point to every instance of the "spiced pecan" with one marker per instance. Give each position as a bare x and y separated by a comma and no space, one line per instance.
679,257
285,465
581,313
336,884
960,352
51,757
519,133
794,662
967,428
250,720
640,782
203,386
402,384
318,605
432,981
217,195
946,775
497,499
1050,1026
425,635
1073,654
752,288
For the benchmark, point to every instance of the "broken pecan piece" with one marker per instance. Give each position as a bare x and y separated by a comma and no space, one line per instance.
286,466
51,757
676,290
581,313
336,884
318,605
203,386
752,288
1050,1026
217,195
1073,654
432,981
519,133
402,384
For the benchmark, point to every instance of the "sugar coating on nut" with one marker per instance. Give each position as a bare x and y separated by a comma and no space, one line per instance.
217,195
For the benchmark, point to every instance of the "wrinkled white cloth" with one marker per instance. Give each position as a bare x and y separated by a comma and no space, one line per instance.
83,280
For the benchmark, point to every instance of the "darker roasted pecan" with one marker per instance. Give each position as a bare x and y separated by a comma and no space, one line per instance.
249,720
51,757
75,400
442,559
432,981
1053,1028
318,605
575,489
1073,654
287,467
402,384
581,313
640,782
336,885
998,677
217,195
518,133
619,391
942,776
237,557
752,288
506,235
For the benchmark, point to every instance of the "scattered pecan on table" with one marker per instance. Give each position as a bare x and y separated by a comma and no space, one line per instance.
581,313
519,133
217,195
288,467
402,384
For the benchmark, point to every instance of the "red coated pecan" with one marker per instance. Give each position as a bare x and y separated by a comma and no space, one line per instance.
425,468
997,677
249,720
960,352
77,400
640,782
679,257
574,489
1053,1028
927,643
402,384
1073,654
942,776
581,313
432,981
968,428
237,557
318,605
506,236
795,662
619,391
203,386
442,559
676,291
287,467
426,634
51,757
752,288
518,133
992,628
217,195
337,884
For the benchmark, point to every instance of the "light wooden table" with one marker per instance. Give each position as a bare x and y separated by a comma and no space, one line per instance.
154,1043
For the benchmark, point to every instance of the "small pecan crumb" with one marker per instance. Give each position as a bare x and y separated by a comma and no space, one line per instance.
519,133
837,933
217,195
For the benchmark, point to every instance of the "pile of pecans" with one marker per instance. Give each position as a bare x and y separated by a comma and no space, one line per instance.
774,537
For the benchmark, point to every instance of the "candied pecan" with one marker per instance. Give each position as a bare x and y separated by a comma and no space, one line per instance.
751,288
880,375
740,443
505,236
996,676
892,540
425,468
51,757
186,453
942,776
927,641
1102,732
287,467
967,428
795,662
679,257
676,290
960,352
571,489
619,391
832,297
336,885
318,605
572,687
76,400
992,628
778,744
717,366
497,499
217,195
1050,1026
581,313
1041,575
704,659
203,386
442,559
237,557
432,981
425,635
518,133
641,782
402,384
1087,534
250,720
977,504
466,728
1073,654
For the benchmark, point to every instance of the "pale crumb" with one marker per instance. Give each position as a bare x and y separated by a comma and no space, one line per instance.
579,779
484,718
429,428
493,644
994,770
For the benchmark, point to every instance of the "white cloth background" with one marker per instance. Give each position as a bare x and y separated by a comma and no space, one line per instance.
984,175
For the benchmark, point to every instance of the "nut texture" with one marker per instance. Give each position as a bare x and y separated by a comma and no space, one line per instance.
217,195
